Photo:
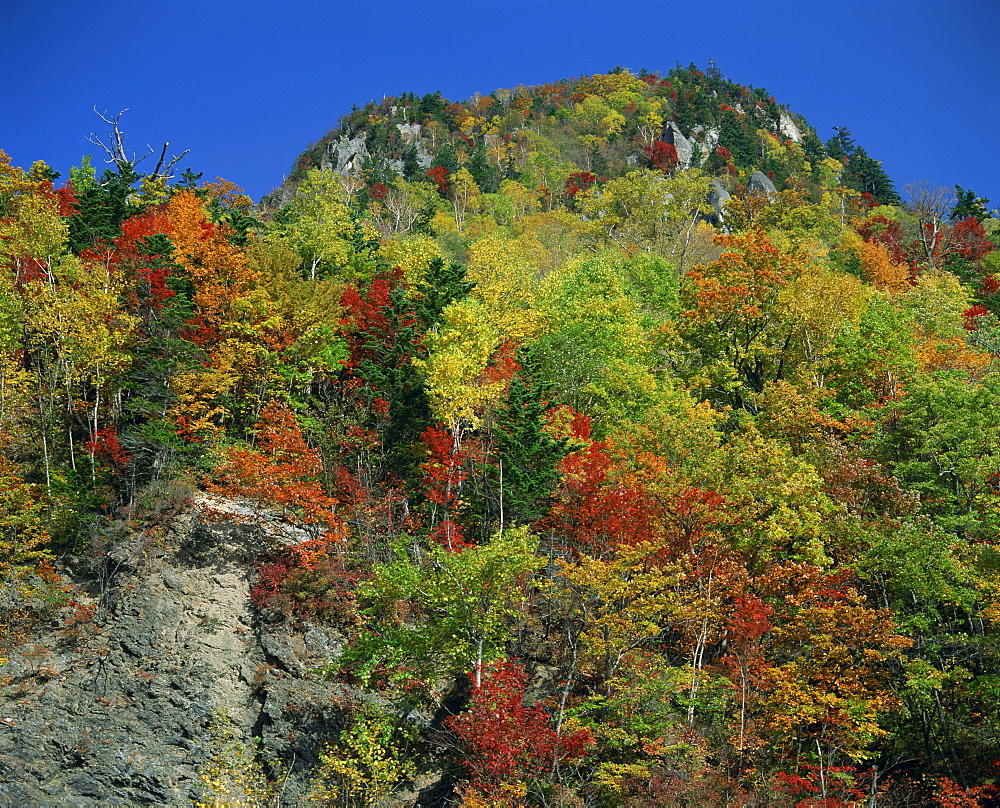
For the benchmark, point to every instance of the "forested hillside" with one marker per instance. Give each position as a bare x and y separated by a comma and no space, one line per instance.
641,437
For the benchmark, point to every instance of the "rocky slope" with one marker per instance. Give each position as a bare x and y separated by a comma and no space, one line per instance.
171,681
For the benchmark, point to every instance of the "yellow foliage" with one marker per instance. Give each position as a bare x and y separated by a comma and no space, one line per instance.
506,271
508,795
196,411
458,354
411,254
623,602
819,302
232,773
365,766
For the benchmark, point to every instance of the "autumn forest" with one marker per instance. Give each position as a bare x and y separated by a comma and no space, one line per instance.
644,436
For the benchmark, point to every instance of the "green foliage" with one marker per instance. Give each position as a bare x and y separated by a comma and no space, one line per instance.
944,442
444,610
526,454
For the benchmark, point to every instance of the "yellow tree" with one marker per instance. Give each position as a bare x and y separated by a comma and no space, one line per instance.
505,271
464,194
321,228
645,210
458,354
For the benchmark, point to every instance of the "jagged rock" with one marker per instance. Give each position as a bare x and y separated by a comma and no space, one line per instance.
761,185
787,127
717,198
424,158
128,710
344,155
672,135
409,132
709,142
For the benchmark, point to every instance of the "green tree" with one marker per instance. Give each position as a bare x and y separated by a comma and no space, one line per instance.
464,607
527,456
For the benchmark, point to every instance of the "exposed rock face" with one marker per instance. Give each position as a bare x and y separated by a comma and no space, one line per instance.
344,155
717,198
673,135
710,140
129,710
761,185
410,132
787,127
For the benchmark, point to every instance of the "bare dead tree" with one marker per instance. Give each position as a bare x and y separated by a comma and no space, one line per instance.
115,149
930,204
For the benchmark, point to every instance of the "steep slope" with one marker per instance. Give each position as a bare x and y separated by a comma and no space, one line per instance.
175,686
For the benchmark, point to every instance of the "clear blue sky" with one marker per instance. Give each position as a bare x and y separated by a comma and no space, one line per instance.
248,85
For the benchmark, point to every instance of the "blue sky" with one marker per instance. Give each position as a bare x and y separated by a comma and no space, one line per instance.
247,85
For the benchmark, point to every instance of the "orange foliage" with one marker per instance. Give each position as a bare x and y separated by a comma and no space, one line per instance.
218,268
743,282
879,268
951,354
282,471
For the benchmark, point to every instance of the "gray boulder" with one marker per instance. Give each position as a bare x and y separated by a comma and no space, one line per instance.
761,185
673,135
717,198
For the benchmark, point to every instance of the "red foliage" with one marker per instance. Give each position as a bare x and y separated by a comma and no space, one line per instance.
379,191
443,469
503,364
949,794
842,790
131,255
578,181
104,444
598,507
67,200
888,233
370,320
751,619
972,316
968,240
28,270
504,739
724,153
662,156
444,473
304,581
439,176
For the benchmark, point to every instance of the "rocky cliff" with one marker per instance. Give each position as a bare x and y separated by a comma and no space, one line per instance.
166,682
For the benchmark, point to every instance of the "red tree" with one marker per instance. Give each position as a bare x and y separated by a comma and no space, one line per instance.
506,740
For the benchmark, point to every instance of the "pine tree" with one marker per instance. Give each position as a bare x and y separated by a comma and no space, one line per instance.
968,204
527,455
442,284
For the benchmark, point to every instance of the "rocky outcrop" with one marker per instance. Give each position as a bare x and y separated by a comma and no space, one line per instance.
136,705
788,127
717,198
673,135
345,155
761,185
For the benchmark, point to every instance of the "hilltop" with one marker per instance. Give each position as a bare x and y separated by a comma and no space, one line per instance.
569,134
